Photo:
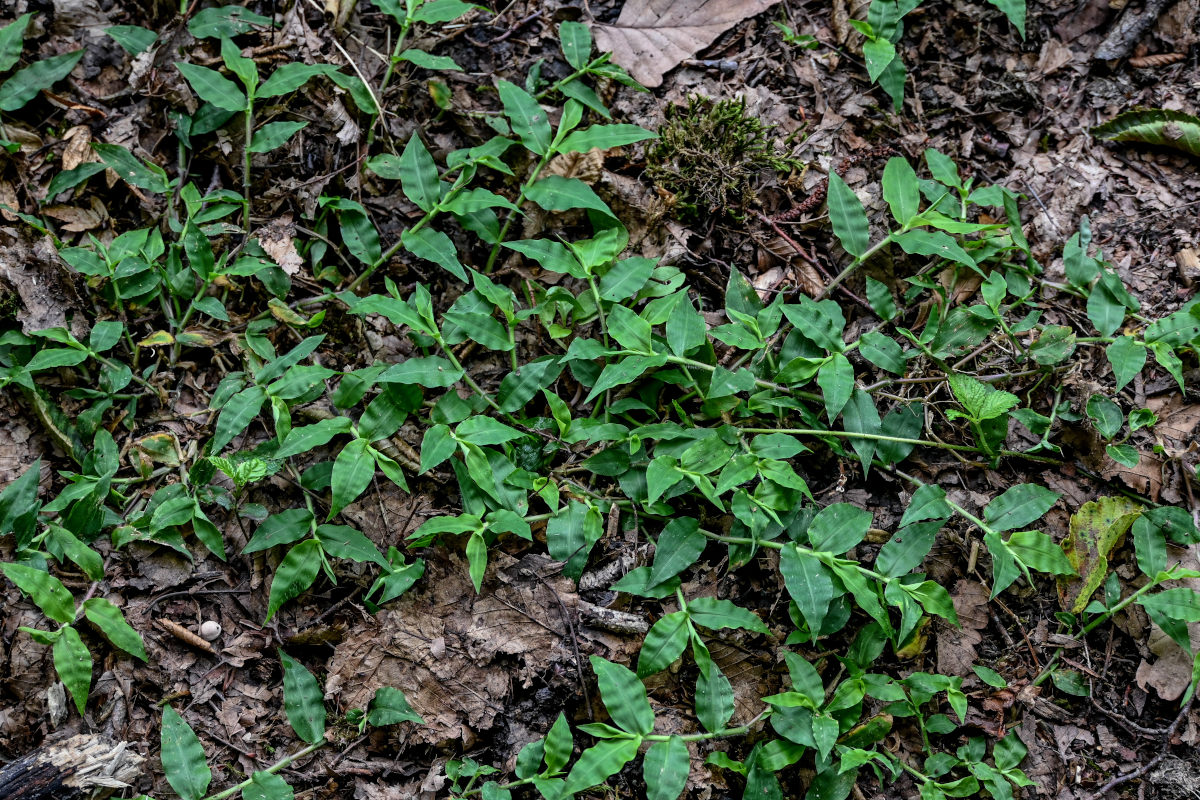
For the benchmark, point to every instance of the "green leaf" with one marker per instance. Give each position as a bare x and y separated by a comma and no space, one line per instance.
352,473
808,582
290,77
678,547
1172,522
1153,126
267,786
1127,357
12,41
419,174
838,527
626,278
342,541
860,416
476,559
900,187
46,591
236,416
428,60
665,642
529,121
1105,415
622,372
212,86
570,535
69,179
878,53
73,663
389,706
907,548
1015,11
285,527
836,379
665,768
556,193
599,762
1019,506
434,246
109,619
933,243
131,169
883,352
183,757
436,447
558,745
575,39
486,431
303,700
1150,546
274,134
714,694
26,83
848,217
134,39
624,696
630,330
432,372
1054,345
294,574
982,402
308,437
1181,604
604,137
715,614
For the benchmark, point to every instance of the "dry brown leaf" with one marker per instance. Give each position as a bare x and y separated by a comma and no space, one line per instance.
956,646
78,148
8,198
653,36
74,219
276,239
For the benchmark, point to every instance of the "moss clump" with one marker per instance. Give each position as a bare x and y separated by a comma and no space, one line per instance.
712,156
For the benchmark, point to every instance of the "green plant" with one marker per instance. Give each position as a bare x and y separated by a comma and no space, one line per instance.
711,153
633,409
188,772
24,84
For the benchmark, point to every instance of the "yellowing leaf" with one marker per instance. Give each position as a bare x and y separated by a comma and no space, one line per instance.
1097,528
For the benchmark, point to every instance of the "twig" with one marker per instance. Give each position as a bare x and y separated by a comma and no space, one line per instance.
1152,763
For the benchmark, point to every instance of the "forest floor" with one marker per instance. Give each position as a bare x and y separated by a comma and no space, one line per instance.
489,671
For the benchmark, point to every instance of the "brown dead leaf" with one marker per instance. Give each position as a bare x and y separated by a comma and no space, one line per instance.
78,148
956,646
585,166
452,651
276,239
653,36
8,198
73,219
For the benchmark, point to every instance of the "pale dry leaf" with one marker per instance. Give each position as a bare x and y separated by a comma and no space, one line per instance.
78,148
587,167
8,199
276,239
653,36
74,219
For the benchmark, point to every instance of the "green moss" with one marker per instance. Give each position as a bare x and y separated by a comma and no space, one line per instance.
712,156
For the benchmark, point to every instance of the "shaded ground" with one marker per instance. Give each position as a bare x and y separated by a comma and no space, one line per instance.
490,672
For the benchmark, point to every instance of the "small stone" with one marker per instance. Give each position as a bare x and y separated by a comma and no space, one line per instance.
210,630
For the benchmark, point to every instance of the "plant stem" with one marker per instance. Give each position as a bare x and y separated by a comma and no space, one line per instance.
853,265
689,362
276,767
387,75
246,162
533,176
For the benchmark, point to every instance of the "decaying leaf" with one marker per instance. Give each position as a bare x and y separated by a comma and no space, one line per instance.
653,36
1154,126
276,239
956,645
1097,529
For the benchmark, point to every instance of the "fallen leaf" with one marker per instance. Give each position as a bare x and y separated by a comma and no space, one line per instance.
78,148
956,646
652,37
276,239
1154,126
1097,529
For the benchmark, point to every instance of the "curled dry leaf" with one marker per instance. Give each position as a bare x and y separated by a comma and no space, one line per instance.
653,36
276,239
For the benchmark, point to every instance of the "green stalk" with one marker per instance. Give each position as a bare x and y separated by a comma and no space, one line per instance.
855,264
533,176
276,767
246,160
